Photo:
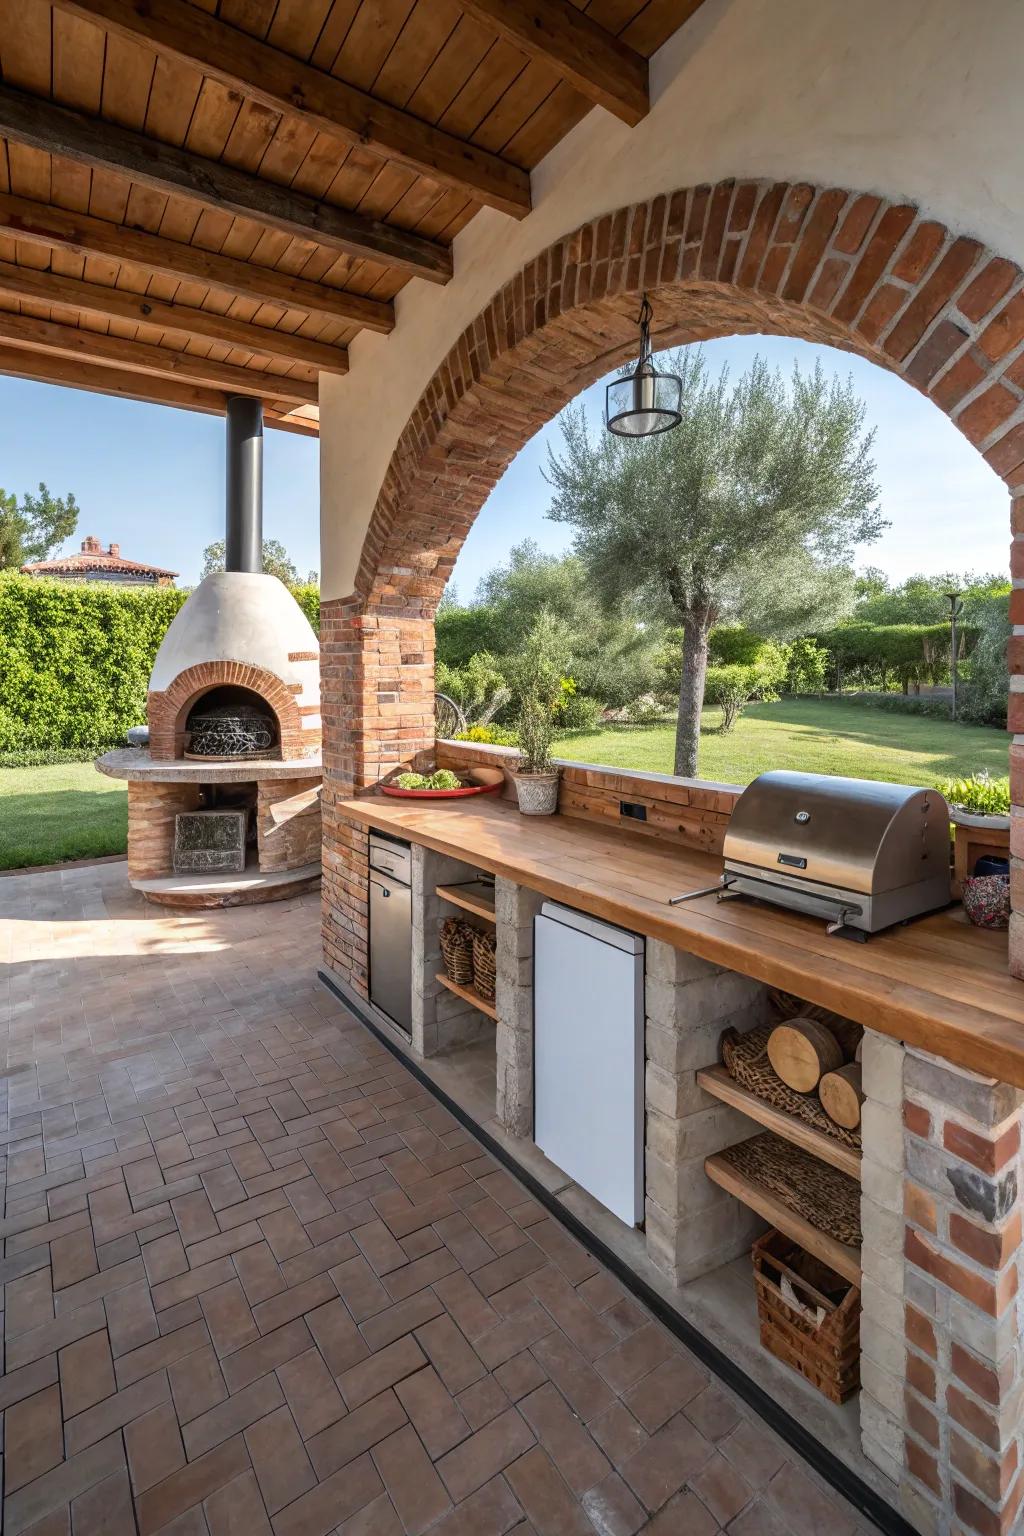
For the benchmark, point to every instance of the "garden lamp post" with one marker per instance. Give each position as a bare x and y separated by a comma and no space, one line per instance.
956,608
643,402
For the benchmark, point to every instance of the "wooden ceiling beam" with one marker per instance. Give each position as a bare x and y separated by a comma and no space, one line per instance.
589,58
73,373
284,84
97,347
99,299
71,135
43,224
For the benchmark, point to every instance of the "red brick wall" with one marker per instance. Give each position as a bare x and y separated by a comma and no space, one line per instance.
850,269
152,809
293,838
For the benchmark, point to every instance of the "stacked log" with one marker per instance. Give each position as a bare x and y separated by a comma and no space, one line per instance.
819,1051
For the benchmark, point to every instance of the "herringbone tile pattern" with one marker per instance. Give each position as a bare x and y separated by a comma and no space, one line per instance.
258,1281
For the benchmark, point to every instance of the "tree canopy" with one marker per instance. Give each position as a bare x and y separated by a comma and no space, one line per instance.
35,528
276,562
751,509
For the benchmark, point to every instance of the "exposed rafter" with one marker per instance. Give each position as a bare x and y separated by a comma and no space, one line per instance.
72,373
286,85
87,236
71,135
589,58
95,347
100,299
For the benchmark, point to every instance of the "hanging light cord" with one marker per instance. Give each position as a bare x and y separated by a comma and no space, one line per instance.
644,321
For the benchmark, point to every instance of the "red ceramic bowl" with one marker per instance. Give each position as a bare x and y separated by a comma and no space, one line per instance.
438,794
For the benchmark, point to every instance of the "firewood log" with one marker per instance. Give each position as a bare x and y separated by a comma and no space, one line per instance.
801,1050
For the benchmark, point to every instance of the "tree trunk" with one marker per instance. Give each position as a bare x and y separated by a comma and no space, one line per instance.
691,694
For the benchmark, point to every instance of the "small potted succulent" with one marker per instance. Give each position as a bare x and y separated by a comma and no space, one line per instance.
979,808
535,775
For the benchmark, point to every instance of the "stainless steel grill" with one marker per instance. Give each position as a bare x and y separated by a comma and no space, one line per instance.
862,855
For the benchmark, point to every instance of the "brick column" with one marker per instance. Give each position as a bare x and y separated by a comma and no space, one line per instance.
1015,722
515,908
883,1350
964,1469
377,706
692,1225
151,812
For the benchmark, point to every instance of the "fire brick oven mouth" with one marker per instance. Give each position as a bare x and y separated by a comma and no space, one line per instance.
231,725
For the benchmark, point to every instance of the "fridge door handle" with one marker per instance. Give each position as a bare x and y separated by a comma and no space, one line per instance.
382,888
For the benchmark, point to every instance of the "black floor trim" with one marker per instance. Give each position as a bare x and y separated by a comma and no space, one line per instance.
835,1472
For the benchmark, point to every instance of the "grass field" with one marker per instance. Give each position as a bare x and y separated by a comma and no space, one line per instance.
818,736
61,812
48,815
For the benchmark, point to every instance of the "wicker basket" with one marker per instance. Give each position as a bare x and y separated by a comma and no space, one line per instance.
826,1353
457,950
484,969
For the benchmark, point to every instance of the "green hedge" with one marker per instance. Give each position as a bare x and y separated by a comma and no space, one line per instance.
75,659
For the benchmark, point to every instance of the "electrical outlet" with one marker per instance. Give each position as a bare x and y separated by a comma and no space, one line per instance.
633,811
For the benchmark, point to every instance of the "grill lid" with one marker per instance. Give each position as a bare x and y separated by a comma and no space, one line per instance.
857,835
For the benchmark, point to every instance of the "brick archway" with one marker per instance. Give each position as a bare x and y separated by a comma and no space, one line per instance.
827,265
168,711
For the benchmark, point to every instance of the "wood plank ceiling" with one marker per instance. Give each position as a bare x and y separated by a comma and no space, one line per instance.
207,197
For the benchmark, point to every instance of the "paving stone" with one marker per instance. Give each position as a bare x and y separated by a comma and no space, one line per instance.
154,1447
485,1453
86,1373
283,1277
33,1438
436,1416
310,1392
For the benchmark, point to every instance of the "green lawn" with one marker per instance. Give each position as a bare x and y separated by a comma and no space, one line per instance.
818,736
68,811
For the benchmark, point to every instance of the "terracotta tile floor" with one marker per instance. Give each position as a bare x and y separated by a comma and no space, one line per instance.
256,1279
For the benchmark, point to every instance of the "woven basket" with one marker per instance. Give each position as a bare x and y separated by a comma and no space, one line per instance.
791,1289
746,1061
457,950
828,1199
484,968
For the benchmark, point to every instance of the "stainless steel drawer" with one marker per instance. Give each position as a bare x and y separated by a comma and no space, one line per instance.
391,858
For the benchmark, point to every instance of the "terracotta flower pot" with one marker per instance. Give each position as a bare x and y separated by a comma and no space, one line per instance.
537,793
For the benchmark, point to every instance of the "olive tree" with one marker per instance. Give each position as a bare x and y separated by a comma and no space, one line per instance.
750,509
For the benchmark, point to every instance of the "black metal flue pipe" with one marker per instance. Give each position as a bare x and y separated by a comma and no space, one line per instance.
244,517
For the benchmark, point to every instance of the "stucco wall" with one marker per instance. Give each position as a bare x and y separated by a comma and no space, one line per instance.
912,98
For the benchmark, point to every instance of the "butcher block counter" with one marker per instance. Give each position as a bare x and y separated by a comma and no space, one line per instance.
938,983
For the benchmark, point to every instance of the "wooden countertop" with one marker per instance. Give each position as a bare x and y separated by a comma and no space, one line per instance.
938,983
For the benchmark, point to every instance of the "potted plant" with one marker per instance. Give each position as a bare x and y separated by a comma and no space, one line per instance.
535,775
979,808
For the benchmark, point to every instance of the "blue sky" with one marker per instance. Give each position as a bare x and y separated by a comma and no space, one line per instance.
151,478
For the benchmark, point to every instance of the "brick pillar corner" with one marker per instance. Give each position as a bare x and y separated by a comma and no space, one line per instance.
963,1425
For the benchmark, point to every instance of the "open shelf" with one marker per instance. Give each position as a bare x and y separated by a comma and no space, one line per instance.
468,995
476,896
716,1080
838,1256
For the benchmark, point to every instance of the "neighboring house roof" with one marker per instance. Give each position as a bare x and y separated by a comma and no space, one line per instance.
93,557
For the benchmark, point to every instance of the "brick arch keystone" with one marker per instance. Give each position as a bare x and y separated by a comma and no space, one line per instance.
167,711
851,269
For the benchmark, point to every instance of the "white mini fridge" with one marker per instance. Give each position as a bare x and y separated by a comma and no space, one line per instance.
589,1055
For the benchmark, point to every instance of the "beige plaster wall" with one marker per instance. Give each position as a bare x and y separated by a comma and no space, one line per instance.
911,98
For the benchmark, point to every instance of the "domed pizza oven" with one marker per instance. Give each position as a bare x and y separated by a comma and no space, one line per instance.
224,807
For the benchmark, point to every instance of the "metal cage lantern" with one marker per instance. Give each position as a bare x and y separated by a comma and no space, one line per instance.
644,402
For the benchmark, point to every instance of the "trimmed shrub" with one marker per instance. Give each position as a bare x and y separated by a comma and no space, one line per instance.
75,660
808,666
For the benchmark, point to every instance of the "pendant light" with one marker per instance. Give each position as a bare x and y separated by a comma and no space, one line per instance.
644,402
